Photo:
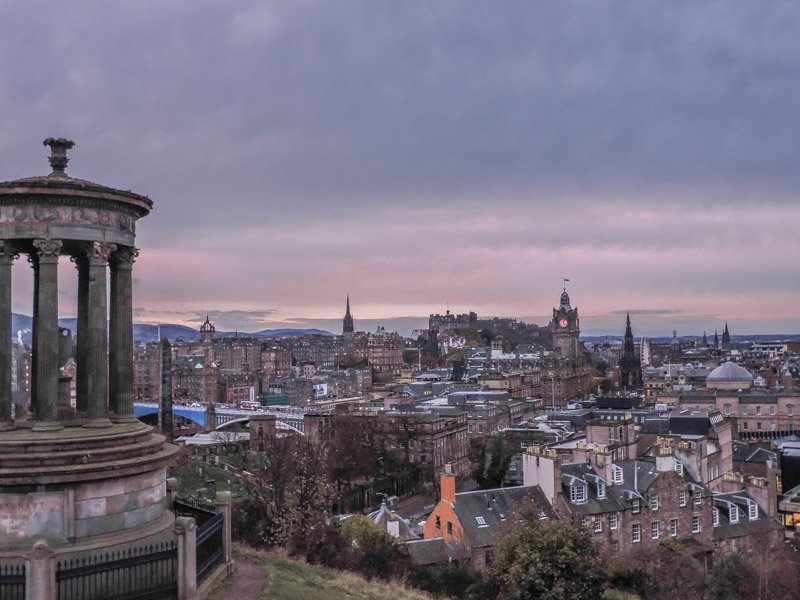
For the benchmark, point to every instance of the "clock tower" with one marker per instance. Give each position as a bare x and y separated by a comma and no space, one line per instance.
565,328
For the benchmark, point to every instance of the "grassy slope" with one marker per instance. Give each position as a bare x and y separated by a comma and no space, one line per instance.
191,482
287,579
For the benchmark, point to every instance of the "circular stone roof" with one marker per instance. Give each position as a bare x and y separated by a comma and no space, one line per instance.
729,372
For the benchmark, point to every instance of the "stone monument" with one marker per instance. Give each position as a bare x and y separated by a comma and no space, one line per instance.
89,476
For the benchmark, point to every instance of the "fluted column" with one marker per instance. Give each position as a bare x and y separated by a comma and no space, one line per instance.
45,366
7,256
120,352
96,340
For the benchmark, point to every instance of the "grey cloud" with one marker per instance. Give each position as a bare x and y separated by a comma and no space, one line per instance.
231,108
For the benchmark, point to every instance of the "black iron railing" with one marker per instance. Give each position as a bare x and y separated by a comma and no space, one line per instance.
146,573
210,546
197,508
12,582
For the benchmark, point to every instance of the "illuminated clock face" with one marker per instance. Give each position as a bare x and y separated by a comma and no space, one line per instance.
562,323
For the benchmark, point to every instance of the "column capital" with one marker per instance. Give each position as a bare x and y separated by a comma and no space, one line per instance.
47,249
124,257
8,252
100,252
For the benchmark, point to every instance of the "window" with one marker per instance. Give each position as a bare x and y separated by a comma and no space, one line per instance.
744,425
577,494
616,474
698,497
715,517
758,424
673,527
598,526
758,410
772,410
438,522
635,506
727,409
743,410
679,468
790,410
734,514
636,533
481,521
612,521
654,502
682,498
449,527
695,524
601,490
655,529
585,520
752,511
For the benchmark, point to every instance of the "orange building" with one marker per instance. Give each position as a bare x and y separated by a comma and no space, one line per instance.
469,522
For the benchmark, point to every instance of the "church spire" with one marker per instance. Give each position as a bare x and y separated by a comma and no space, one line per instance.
726,338
347,322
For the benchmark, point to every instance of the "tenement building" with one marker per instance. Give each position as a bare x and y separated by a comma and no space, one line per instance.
75,478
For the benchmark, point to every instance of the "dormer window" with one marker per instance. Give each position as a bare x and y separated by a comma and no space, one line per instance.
654,502
577,493
752,511
679,468
715,517
734,514
635,506
601,490
481,521
616,474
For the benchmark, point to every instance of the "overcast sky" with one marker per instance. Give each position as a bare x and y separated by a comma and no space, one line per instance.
425,154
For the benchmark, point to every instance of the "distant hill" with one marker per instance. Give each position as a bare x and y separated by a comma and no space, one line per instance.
149,333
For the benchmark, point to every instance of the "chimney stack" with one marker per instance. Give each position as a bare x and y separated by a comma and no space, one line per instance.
448,481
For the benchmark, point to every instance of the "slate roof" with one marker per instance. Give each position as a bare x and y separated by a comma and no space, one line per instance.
493,507
427,552
584,472
744,452
726,529
637,477
384,514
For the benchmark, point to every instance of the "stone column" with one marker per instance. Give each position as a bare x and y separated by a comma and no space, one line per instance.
186,536
96,348
7,256
82,266
45,368
120,352
40,573
223,504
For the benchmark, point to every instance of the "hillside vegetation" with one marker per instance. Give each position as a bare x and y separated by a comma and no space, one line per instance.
288,579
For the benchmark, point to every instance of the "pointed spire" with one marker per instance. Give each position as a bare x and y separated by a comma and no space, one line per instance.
347,322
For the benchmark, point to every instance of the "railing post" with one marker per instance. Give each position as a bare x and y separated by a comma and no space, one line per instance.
223,502
40,573
186,535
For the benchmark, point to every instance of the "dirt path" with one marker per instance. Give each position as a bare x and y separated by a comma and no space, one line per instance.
247,582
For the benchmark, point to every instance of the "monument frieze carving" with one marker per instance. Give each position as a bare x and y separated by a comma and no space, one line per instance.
68,215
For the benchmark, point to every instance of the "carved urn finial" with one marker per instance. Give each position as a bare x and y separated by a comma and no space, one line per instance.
58,155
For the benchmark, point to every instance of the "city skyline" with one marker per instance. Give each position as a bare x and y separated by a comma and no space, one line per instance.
418,156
